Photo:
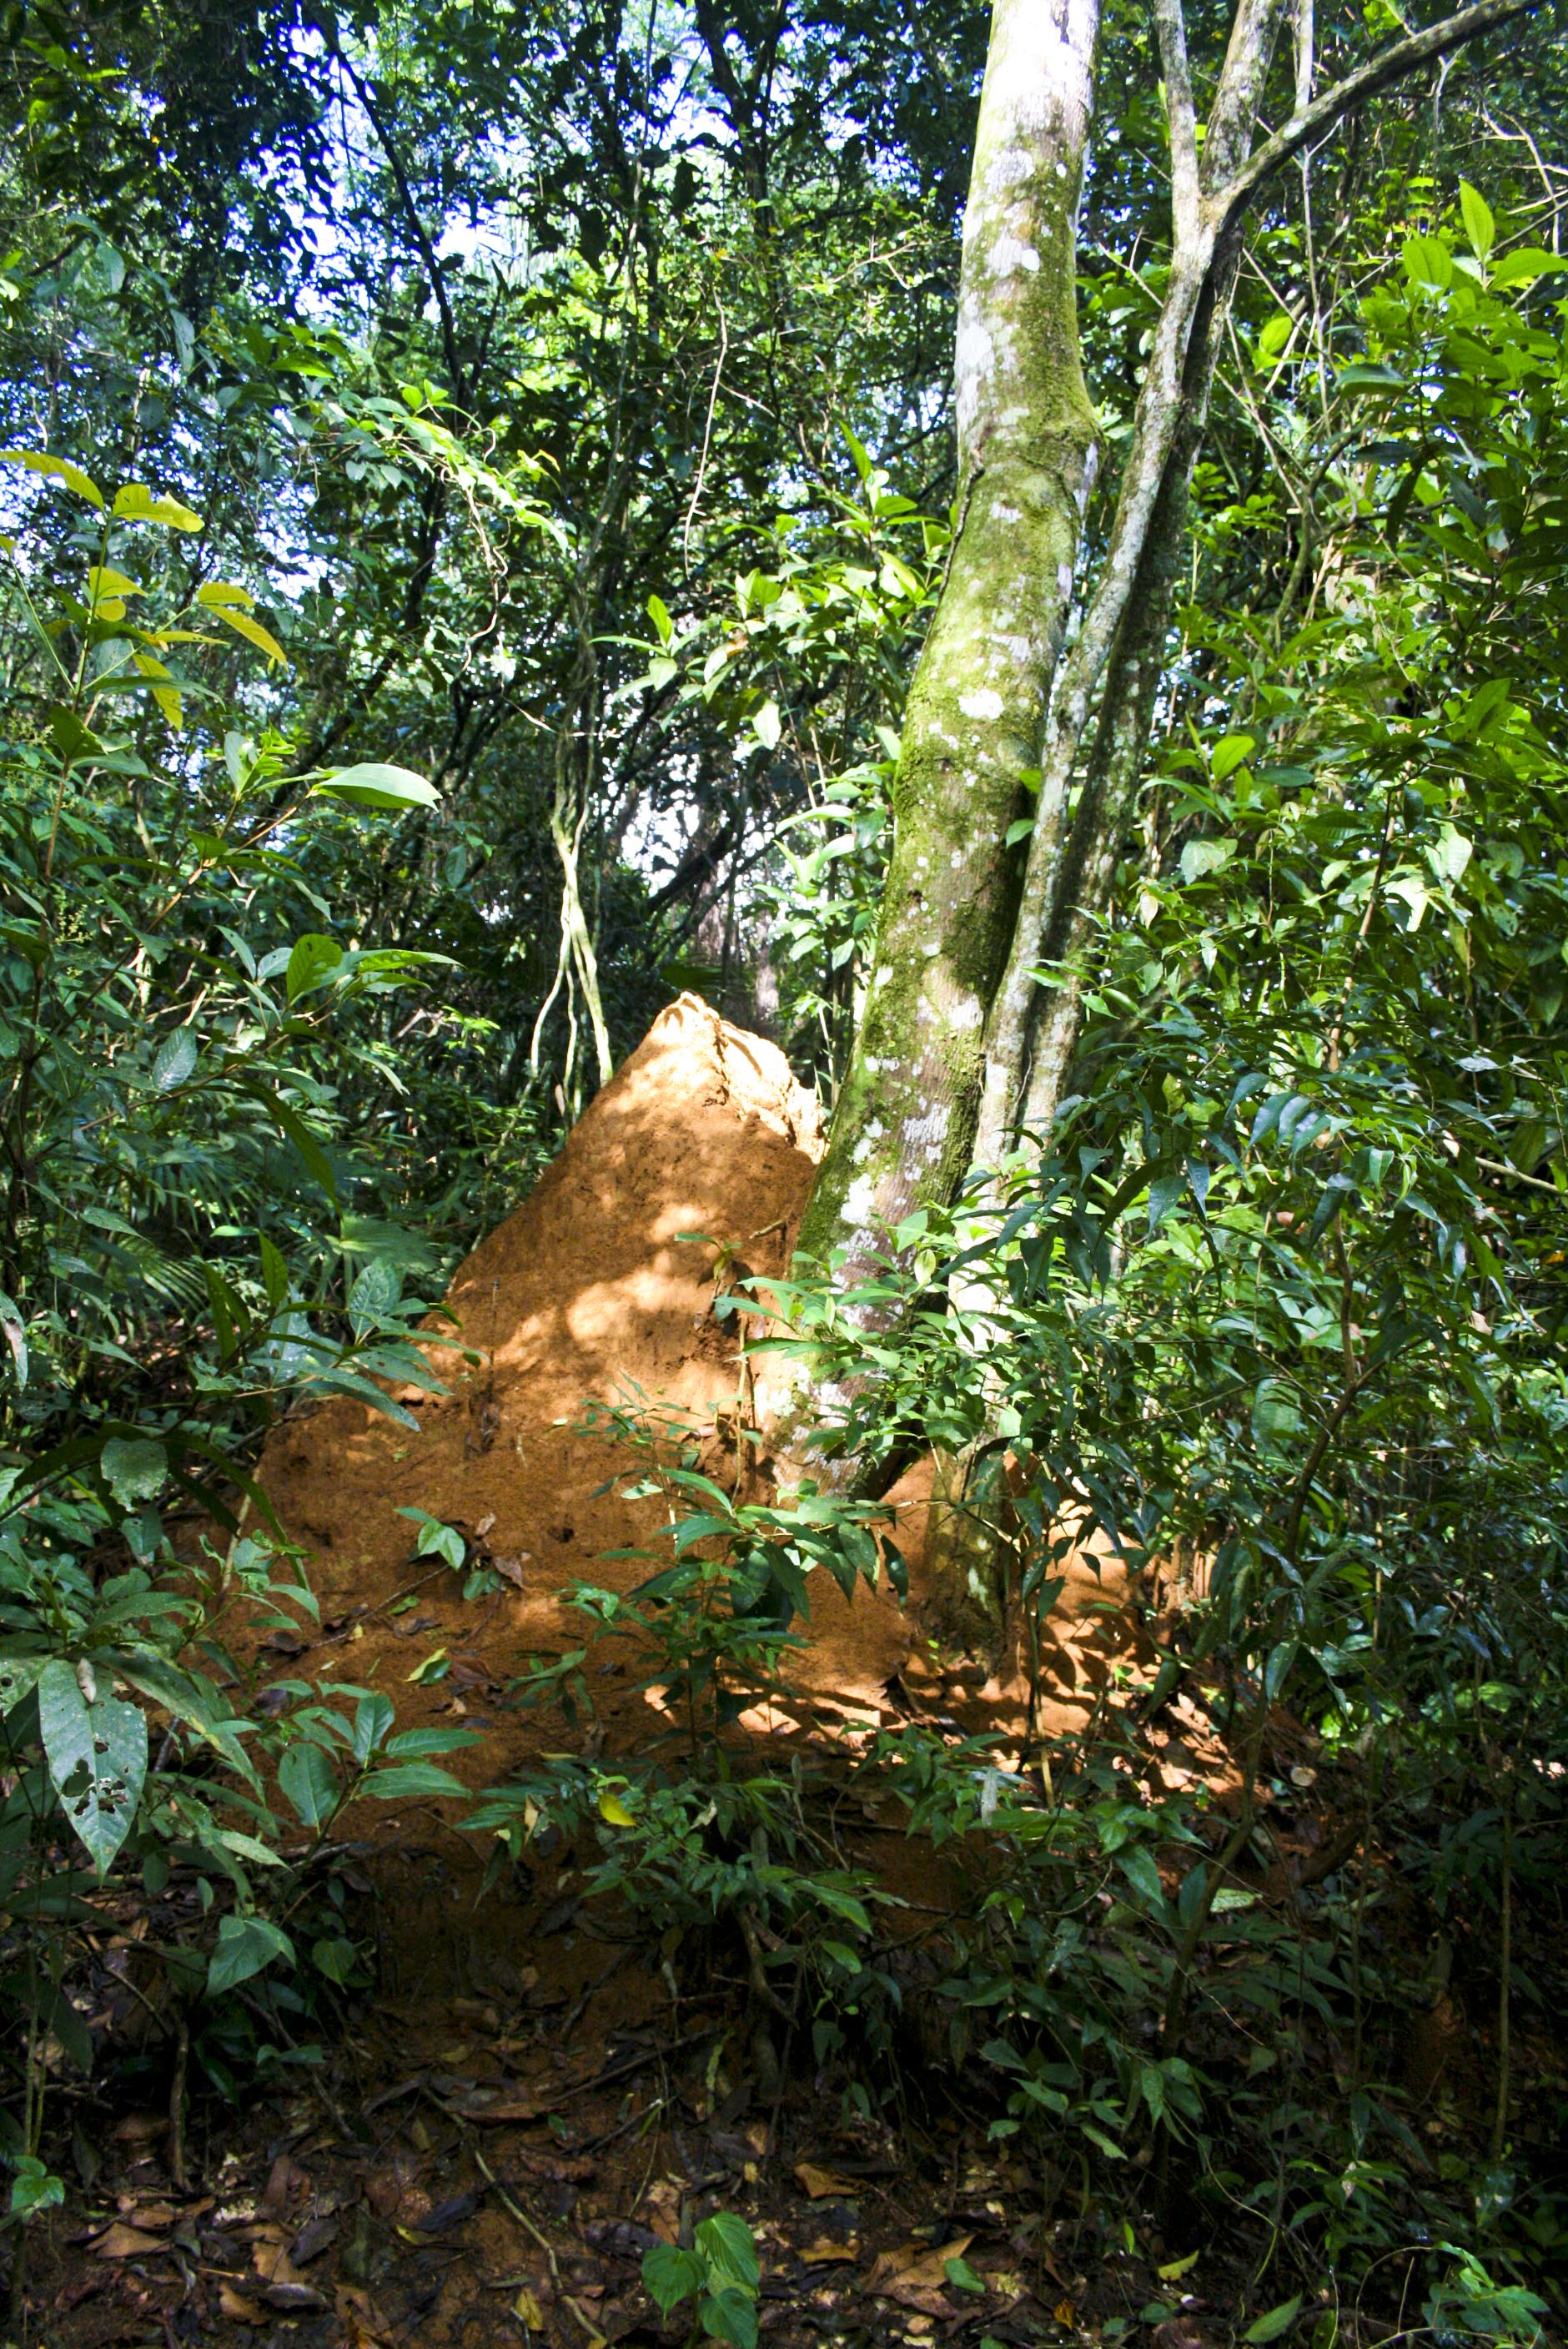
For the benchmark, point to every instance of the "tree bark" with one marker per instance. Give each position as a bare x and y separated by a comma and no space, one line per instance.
1027,446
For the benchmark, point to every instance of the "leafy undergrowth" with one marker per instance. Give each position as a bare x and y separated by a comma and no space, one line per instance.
904,2010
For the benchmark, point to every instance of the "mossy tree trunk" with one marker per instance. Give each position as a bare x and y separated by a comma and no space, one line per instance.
963,1046
1028,448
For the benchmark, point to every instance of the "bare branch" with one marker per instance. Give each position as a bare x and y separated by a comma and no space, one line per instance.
1390,66
1171,26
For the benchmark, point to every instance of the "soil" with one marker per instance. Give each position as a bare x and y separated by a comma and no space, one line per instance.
688,1170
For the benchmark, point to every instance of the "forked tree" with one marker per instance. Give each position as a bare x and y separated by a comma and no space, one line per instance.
965,1040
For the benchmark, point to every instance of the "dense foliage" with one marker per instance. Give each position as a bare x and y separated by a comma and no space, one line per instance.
476,481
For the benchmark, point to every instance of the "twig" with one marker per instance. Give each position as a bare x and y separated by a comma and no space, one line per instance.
542,2240
177,2108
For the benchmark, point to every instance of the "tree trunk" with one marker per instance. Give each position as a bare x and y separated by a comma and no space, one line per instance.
962,1041
1028,448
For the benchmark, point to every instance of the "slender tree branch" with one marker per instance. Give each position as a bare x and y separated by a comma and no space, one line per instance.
455,369
1380,73
1170,27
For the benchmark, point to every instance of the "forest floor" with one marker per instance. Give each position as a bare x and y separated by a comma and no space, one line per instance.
533,2095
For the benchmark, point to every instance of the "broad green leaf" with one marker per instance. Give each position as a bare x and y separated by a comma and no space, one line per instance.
409,1779
55,468
375,1291
245,1944
14,1329
1137,1866
766,725
729,2315
19,1676
1523,265
34,2188
373,1718
96,1753
1204,856
134,1468
372,785
307,1778
137,503
174,1060
1277,2320
251,630
613,1810
1428,262
106,584
1229,754
671,2275
417,1744
312,957
725,2244
1480,226
218,594
335,1958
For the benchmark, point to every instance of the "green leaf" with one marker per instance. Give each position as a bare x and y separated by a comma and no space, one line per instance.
1137,1866
961,2276
19,1676
1428,262
34,2188
1480,226
417,1744
1204,856
96,1748
726,2246
730,2315
1277,2320
373,1717
307,1778
174,1060
671,2275
1233,752
137,503
372,785
1524,264
311,958
55,468
335,1958
14,1329
134,1468
253,631
245,1944
411,1778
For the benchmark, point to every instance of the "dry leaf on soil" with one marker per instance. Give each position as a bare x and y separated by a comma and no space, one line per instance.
821,2184
361,2320
235,2304
123,2242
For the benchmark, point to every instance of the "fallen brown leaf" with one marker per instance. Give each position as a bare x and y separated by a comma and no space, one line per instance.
361,2319
243,2312
141,2128
823,2184
123,2242
480,2105
816,2255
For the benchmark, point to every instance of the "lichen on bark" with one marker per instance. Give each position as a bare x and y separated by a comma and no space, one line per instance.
1027,447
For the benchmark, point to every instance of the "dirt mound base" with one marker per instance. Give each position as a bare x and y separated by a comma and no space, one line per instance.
596,1290
591,1291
